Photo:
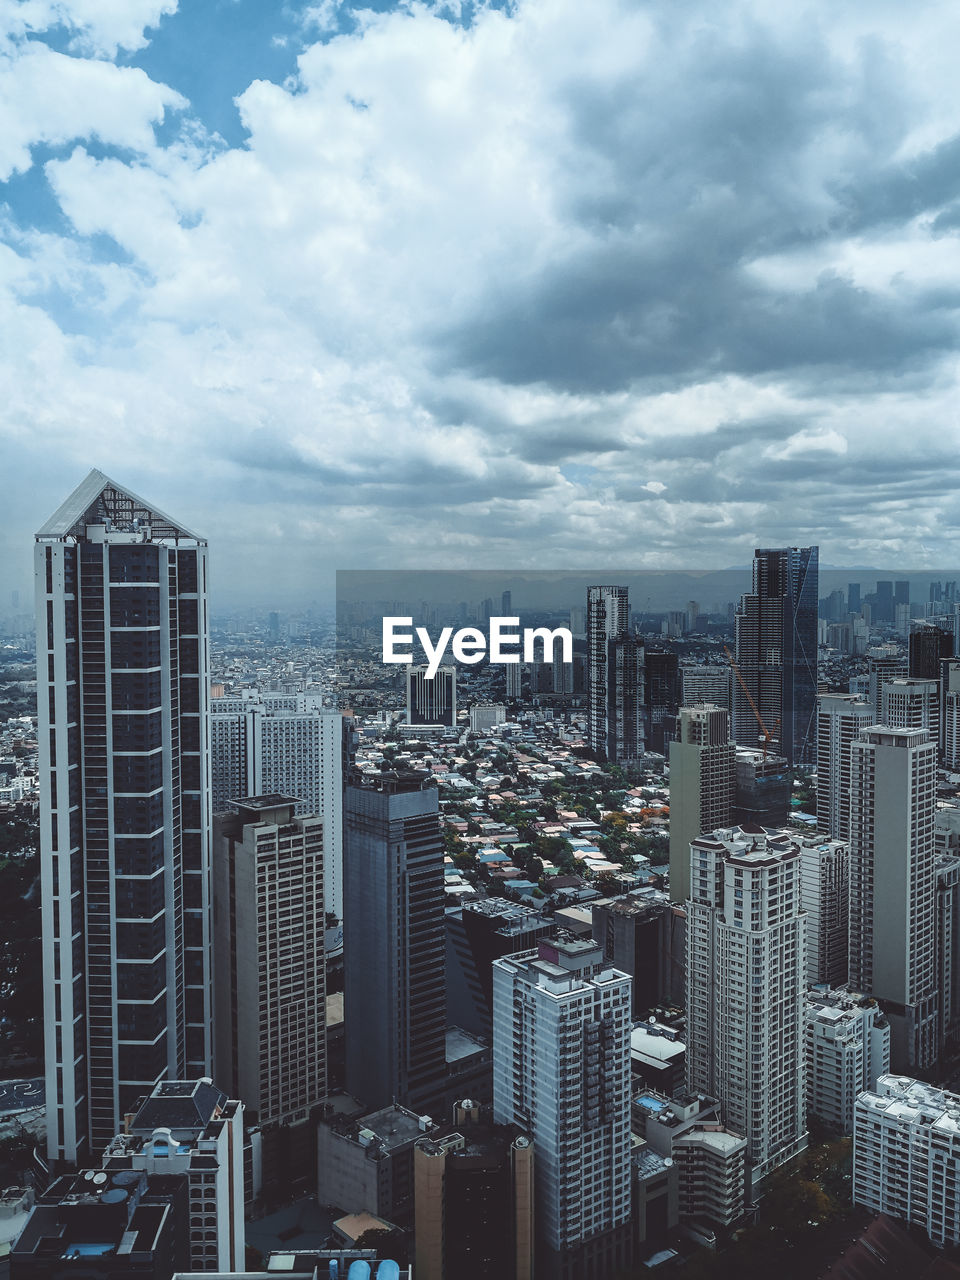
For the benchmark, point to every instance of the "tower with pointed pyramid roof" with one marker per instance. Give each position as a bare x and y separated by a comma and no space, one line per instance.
122,682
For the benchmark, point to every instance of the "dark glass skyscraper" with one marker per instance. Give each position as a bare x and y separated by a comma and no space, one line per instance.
393,940
776,628
615,677
124,776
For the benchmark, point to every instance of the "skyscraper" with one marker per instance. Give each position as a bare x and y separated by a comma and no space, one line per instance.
745,982
929,645
708,683
608,615
703,779
661,697
270,1006
825,897
432,701
840,719
615,677
561,1071
911,704
776,630
884,662
893,884
124,773
393,940
283,744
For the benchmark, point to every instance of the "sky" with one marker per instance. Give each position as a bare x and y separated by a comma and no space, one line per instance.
533,283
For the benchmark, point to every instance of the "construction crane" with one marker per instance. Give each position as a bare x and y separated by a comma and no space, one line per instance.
767,733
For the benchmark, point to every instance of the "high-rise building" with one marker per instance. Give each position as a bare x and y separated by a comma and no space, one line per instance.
893,777
625,710
776,630
506,603
514,676
950,712
283,744
479,932
948,936
840,719
474,1200
883,604
642,935
190,1128
561,1071
661,697
746,935
853,597
703,772
929,645
393,940
911,704
763,789
847,1049
884,662
122,676
432,701
270,982
825,897
608,614
706,683
906,1155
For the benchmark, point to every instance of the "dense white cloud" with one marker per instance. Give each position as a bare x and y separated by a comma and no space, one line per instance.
466,287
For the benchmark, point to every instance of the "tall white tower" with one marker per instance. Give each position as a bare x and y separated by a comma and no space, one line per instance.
703,783
840,719
122,680
746,942
284,744
893,885
561,1069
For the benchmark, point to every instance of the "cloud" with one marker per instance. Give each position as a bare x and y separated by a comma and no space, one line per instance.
471,278
809,444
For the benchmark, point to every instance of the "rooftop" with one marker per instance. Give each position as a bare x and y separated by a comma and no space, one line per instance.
100,500
179,1105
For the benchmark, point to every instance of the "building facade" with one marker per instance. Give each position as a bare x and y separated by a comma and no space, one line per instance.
841,717
746,938
776,640
893,883
393,940
906,1155
474,1201
703,772
122,678
561,1072
825,897
846,1050
270,975
432,701
283,744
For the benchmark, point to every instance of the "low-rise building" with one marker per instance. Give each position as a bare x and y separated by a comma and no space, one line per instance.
846,1050
906,1155
365,1162
105,1226
191,1128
